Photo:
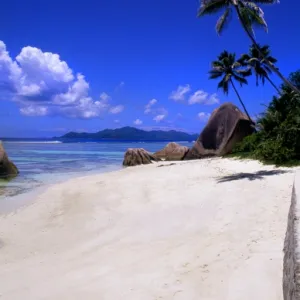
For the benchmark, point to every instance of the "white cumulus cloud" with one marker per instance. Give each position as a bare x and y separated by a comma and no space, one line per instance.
41,83
105,98
117,109
159,118
149,105
34,111
138,122
38,65
78,90
203,116
179,94
202,97
9,72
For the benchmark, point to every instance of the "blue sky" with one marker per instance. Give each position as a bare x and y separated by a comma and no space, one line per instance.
89,65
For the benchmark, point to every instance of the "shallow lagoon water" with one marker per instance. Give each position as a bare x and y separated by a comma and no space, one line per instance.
46,162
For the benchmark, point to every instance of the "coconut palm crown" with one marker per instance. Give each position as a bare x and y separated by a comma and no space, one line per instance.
257,63
249,12
229,70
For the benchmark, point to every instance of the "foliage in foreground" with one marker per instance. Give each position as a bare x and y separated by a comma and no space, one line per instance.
278,137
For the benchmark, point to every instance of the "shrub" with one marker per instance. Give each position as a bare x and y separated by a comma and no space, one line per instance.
249,143
278,136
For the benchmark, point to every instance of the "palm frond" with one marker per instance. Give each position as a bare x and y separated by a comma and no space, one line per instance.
265,50
223,21
215,74
245,57
246,20
266,1
208,7
223,55
224,85
230,59
253,60
263,79
218,69
272,59
244,72
217,63
253,51
236,64
241,80
254,14
228,77
260,73
243,60
258,20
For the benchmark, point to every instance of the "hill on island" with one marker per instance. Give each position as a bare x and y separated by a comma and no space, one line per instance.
131,133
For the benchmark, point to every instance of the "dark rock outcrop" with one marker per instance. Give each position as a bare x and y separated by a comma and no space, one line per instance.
139,156
226,127
172,151
7,168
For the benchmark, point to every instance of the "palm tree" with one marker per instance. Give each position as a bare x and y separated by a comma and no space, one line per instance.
230,70
249,14
257,63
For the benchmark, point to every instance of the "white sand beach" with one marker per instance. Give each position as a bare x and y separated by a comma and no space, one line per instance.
196,230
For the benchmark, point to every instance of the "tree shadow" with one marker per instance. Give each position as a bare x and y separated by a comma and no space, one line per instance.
251,176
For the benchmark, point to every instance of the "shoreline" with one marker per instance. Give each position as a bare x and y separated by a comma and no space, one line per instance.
42,164
11,204
188,230
25,199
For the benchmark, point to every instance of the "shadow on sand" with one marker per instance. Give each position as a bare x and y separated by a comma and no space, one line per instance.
251,176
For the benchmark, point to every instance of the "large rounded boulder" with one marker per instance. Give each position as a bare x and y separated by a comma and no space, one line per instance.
139,156
172,151
7,168
226,127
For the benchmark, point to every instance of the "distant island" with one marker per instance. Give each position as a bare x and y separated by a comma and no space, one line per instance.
131,133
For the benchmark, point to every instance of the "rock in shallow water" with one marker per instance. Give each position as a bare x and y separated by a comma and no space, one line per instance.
7,168
172,151
139,156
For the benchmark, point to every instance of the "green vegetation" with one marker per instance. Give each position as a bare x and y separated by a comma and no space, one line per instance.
231,70
277,139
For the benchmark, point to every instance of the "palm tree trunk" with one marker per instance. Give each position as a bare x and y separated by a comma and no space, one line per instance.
238,95
273,84
272,67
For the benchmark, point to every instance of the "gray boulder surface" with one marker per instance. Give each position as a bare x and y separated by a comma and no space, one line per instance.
172,151
226,127
138,156
7,167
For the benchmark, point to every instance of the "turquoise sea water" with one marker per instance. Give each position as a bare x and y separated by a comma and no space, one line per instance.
46,162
